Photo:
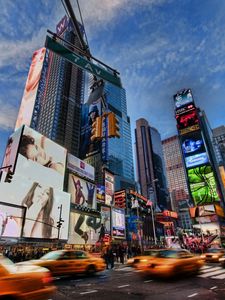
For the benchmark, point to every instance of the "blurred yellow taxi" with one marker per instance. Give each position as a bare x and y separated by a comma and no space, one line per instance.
70,262
147,254
213,254
24,282
170,263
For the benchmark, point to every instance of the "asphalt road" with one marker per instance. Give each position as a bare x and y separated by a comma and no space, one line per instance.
125,283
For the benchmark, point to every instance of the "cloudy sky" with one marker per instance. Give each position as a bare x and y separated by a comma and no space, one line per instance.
158,46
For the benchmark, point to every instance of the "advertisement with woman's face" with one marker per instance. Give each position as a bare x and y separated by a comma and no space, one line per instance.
106,220
84,229
41,159
82,192
42,205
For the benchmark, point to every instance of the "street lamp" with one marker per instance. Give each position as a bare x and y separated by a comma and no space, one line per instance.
150,204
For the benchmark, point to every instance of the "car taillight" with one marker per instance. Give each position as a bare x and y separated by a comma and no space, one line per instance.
47,279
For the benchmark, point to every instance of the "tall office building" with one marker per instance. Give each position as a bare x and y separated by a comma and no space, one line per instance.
150,164
219,144
56,111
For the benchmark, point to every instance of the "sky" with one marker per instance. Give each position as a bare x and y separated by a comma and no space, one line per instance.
158,46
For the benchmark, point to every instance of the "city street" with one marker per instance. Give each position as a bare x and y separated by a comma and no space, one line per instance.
125,283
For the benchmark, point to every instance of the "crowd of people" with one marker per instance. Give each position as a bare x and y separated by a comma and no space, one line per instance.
22,254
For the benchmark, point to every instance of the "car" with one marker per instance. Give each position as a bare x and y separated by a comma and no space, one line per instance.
70,262
147,254
171,263
24,282
213,254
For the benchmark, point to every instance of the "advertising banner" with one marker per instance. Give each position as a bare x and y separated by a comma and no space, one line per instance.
84,229
118,223
183,97
11,220
42,207
89,114
120,199
100,193
41,159
203,185
222,174
187,119
82,192
105,215
80,167
109,188
31,87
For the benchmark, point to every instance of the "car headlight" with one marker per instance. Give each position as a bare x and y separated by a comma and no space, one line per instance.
222,259
202,256
143,260
215,256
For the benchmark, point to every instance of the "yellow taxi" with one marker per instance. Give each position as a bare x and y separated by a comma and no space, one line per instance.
147,254
24,282
213,254
70,262
170,263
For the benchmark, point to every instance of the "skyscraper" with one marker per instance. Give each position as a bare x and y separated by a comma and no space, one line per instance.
219,144
150,164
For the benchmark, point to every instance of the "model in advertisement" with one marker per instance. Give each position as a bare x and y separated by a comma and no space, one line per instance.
39,203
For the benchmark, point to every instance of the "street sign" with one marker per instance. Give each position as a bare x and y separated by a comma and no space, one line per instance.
81,62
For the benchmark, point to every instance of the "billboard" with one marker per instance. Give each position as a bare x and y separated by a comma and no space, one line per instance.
187,119
82,192
203,185
100,193
84,229
118,223
196,160
80,167
202,211
109,188
42,207
31,88
40,159
182,98
11,220
105,218
89,114
120,199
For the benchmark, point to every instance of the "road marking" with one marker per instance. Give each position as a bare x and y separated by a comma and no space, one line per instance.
122,286
213,287
211,269
219,276
148,281
88,292
211,273
205,267
192,295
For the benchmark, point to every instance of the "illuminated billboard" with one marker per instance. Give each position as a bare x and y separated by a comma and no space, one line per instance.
40,159
11,220
42,205
105,218
118,223
109,188
196,160
82,192
182,98
100,193
187,119
203,185
80,167
84,229
31,88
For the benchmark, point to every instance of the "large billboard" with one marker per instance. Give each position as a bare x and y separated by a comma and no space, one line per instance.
31,88
40,159
80,167
187,119
89,114
118,223
203,185
183,98
100,193
82,192
105,218
109,188
42,204
11,220
84,229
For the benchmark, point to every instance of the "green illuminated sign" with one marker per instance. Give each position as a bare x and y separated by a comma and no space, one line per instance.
81,62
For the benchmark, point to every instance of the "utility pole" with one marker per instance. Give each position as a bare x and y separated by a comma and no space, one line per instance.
59,223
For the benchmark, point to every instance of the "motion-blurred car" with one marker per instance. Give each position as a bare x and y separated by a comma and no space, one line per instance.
170,263
213,254
148,254
24,282
70,262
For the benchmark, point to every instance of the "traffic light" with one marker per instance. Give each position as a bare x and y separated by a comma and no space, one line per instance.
9,176
113,125
96,132
59,223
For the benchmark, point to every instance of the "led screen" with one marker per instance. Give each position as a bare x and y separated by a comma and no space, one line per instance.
192,143
84,229
203,185
196,160
82,192
183,98
41,159
118,223
105,215
100,193
11,220
42,207
109,188
187,119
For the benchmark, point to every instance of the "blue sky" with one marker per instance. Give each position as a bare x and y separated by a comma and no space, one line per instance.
158,46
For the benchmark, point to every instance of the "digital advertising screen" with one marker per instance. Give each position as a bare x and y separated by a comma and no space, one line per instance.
42,205
192,143
105,218
187,119
40,159
182,98
109,188
31,88
84,229
80,167
11,220
82,192
118,223
203,185
100,193
196,160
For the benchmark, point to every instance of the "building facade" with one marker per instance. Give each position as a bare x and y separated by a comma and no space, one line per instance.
219,144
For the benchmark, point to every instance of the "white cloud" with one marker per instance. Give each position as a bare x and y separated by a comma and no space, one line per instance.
8,114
